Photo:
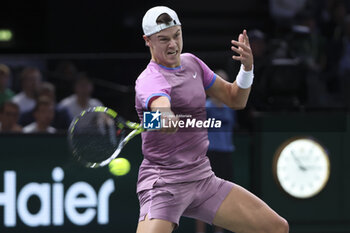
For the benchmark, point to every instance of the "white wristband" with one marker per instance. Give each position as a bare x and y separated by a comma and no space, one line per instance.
244,78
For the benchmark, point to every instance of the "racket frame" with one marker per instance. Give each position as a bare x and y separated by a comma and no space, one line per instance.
120,123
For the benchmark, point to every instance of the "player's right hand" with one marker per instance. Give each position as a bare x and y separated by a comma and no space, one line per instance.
169,122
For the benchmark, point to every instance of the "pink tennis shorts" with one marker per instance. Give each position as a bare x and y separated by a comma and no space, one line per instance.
199,200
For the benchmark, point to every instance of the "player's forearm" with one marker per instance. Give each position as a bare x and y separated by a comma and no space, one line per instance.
162,104
238,96
240,89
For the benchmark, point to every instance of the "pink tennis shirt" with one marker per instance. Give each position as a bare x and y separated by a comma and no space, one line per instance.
178,157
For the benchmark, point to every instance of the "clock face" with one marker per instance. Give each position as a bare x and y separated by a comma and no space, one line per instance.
301,167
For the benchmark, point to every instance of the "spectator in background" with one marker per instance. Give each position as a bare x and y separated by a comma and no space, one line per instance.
332,17
221,146
30,81
81,99
307,44
63,76
9,113
285,9
306,41
344,64
61,120
262,59
44,114
5,92
333,29
282,13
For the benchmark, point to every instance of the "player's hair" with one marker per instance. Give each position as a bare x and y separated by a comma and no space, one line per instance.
164,18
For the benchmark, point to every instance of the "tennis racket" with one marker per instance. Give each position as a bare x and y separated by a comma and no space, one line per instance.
98,135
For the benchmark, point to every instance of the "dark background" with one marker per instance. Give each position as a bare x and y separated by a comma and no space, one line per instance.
115,26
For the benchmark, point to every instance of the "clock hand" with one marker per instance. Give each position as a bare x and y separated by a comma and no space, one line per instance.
301,167
313,167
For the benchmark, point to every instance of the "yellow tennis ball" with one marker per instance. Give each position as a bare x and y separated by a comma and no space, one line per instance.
119,166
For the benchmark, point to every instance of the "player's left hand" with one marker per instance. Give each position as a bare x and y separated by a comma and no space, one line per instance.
242,47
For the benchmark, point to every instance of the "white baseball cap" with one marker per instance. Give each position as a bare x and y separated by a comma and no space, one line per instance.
149,24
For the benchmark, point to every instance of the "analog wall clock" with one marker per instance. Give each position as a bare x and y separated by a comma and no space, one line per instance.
301,167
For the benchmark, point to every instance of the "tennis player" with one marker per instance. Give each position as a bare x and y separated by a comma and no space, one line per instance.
175,177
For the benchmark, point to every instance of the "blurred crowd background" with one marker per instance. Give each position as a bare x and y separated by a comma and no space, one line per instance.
64,56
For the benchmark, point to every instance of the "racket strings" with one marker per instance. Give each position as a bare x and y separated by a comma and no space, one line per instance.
95,137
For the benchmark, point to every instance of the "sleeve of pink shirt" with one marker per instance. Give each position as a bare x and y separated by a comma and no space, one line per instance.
209,76
150,85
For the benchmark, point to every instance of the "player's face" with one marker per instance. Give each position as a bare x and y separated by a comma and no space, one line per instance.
166,46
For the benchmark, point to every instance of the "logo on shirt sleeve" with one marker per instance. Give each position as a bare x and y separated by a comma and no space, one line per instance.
151,120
